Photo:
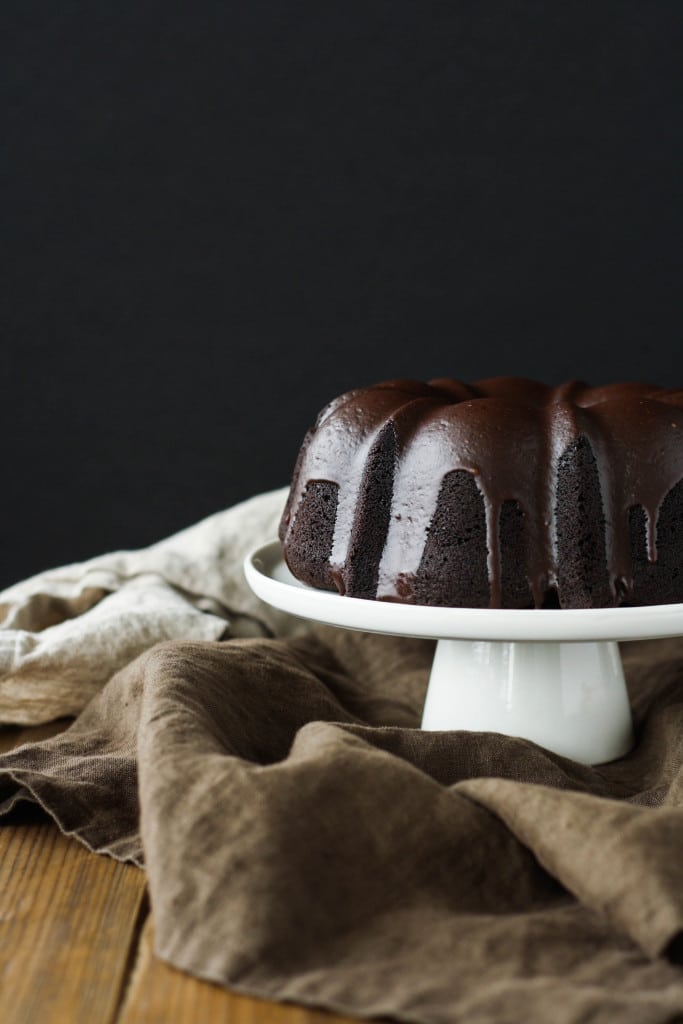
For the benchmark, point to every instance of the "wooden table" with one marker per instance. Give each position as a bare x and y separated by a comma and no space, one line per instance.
76,938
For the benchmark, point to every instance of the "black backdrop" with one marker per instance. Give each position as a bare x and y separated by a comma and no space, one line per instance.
217,216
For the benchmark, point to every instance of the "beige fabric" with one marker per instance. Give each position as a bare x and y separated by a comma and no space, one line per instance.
304,841
65,632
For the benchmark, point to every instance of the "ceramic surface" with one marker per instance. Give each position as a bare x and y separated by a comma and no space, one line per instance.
551,676
272,581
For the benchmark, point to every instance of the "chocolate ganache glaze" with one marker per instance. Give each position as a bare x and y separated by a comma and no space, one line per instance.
501,493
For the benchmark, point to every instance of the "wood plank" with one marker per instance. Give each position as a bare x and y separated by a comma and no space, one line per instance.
69,920
159,994
76,938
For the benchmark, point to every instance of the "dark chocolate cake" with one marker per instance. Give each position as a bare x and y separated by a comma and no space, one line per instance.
503,493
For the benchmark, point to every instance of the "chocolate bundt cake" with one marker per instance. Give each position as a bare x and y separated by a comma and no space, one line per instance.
504,493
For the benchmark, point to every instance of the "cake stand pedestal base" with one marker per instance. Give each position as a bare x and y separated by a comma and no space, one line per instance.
551,675
568,697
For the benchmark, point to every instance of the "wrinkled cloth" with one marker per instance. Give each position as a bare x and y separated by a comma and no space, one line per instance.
304,841
65,632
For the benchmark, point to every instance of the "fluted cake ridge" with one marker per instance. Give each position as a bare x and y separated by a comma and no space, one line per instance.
505,492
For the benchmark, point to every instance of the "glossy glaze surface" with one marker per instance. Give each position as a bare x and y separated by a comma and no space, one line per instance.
509,434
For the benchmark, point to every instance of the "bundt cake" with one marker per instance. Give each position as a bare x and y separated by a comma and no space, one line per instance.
503,493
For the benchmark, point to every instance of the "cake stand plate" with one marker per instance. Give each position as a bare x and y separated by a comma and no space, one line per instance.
551,676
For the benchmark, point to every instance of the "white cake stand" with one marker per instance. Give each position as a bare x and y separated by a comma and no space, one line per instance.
551,676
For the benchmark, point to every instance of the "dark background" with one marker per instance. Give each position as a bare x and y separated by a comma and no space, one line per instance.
218,216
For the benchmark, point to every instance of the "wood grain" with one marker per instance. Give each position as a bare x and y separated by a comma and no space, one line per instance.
76,938
68,919
159,994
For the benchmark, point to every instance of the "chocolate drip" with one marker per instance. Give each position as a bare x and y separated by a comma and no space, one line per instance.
510,435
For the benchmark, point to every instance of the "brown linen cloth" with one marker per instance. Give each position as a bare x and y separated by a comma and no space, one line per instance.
304,841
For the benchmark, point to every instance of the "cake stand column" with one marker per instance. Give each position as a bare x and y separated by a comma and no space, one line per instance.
568,697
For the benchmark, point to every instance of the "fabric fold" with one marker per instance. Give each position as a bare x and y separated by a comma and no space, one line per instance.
65,632
305,841
622,860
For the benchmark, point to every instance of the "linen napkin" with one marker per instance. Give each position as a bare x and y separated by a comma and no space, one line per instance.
305,841
65,632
